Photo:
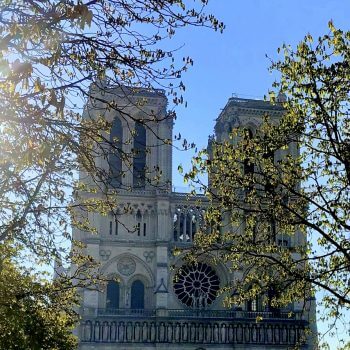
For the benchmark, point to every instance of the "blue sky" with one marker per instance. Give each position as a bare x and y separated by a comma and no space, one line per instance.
235,62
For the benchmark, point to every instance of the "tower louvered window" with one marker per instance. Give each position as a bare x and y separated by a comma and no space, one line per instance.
115,155
139,150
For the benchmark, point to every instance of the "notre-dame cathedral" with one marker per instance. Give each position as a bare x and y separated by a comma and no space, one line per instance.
146,303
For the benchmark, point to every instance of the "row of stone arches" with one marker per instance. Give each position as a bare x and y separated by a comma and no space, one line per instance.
184,332
137,223
187,221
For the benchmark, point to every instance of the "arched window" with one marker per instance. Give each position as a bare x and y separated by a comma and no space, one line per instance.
269,155
271,295
253,305
115,159
182,237
247,164
188,227
137,295
176,225
194,226
272,230
235,306
139,166
112,298
187,221
138,222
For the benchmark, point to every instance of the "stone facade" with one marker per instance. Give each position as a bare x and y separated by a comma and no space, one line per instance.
149,307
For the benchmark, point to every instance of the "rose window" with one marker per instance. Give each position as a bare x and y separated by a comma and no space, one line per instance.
196,285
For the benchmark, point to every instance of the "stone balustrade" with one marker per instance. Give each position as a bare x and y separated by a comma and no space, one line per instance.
149,328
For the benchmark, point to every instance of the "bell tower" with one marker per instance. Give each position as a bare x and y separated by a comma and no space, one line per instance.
137,154
131,241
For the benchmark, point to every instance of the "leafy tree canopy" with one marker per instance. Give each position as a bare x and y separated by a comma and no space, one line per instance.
35,313
51,52
305,192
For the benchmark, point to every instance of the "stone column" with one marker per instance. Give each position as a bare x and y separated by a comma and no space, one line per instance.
164,226
161,291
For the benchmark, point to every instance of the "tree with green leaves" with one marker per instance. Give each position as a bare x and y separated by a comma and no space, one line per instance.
36,313
53,54
305,193
50,53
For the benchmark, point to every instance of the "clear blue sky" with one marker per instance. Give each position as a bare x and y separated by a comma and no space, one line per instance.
235,62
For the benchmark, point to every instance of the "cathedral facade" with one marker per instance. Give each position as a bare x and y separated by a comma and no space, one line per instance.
153,299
